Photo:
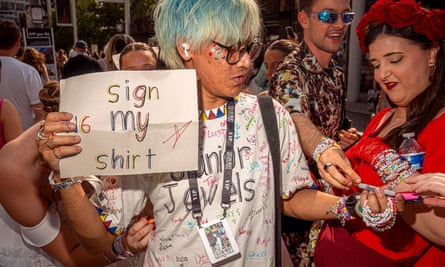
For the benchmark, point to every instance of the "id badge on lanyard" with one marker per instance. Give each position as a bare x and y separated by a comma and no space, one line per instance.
219,241
216,236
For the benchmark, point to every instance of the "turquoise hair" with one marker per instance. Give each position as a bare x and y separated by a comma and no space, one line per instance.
198,22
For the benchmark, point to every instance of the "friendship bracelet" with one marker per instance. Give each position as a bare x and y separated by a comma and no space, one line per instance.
380,221
119,250
341,210
104,255
360,209
324,145
391,168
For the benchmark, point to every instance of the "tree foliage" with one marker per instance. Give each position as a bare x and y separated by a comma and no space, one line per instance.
97,20
141,8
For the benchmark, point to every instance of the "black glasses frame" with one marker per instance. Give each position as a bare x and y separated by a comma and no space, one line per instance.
235,48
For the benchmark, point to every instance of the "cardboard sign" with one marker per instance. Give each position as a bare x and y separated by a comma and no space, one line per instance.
132,122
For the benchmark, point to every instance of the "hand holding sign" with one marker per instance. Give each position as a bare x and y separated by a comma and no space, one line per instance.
132,122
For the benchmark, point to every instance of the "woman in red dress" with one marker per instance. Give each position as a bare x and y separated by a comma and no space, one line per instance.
405,46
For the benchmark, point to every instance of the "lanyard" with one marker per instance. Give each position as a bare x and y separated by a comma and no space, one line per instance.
228,167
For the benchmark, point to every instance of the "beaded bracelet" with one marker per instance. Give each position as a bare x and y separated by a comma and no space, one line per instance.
360,210
324,145
341,211
108,259
391,168
383,221
119,250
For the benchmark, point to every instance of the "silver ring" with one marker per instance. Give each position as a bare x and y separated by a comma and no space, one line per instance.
55,155
327,165
40,135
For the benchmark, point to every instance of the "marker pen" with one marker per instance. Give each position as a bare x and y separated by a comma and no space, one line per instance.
369,187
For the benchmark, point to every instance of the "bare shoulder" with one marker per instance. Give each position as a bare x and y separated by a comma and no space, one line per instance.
7,103
8,107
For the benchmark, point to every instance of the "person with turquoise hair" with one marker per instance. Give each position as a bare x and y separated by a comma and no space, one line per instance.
235,224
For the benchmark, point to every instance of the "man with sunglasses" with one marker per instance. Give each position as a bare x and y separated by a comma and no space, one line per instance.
310,84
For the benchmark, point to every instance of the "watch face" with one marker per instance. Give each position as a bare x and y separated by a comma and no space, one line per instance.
350,203
352,198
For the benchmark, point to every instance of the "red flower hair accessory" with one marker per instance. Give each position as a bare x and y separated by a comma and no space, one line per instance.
402,14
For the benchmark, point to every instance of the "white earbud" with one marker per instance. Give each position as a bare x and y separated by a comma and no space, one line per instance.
186,47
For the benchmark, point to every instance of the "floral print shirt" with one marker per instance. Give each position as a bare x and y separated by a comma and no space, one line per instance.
300,84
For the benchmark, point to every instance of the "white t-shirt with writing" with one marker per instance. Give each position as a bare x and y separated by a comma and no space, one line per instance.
251,216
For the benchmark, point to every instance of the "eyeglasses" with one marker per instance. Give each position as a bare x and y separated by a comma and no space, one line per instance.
236,52
331,17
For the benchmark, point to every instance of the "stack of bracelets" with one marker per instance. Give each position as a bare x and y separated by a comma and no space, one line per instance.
391,168
344,211
392,171
119,250
380,221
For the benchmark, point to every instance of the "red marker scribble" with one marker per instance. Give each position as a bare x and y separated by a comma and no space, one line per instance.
177,134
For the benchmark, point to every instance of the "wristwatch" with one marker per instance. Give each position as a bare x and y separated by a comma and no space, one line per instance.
350,203
65,183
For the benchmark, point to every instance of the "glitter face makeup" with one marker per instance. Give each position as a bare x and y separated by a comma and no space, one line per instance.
216,52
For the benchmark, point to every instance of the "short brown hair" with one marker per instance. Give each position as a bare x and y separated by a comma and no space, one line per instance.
305,5
283,45
9,33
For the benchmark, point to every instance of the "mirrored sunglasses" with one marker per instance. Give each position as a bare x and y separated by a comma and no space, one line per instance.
331,17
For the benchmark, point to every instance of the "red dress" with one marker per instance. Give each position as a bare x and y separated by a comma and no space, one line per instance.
358,245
